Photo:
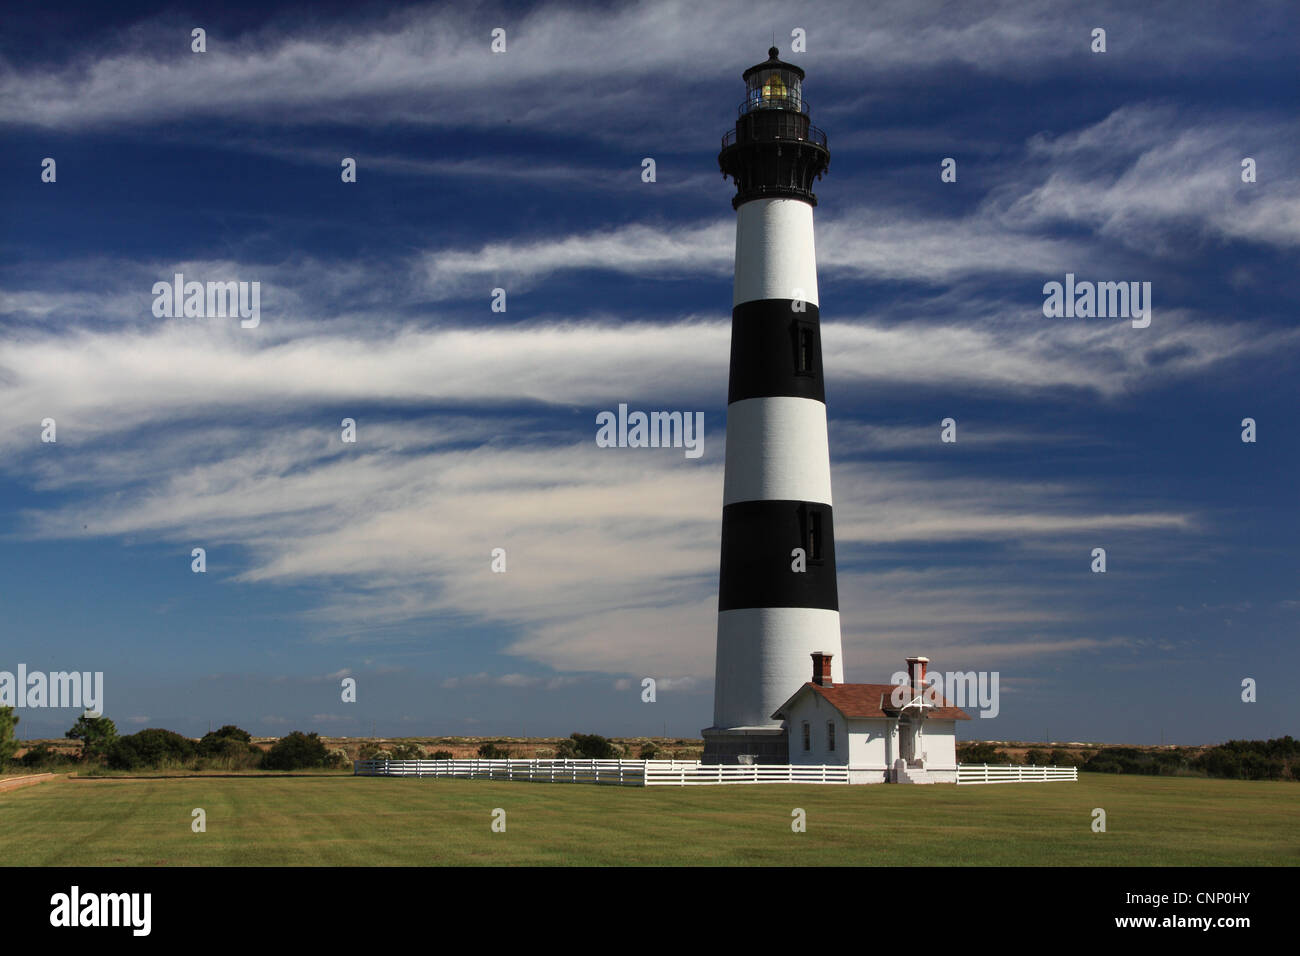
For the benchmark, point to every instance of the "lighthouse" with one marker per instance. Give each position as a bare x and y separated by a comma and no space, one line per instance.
777,598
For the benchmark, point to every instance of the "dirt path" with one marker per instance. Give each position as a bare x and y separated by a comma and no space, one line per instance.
13,783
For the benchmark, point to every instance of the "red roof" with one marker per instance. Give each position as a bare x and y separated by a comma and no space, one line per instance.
871,700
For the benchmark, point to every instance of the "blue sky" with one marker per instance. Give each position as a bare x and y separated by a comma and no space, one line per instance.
476,429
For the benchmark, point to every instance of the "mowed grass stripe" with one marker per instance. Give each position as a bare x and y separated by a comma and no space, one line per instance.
340,820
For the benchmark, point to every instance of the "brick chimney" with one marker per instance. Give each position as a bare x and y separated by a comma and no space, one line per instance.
916,673
822,668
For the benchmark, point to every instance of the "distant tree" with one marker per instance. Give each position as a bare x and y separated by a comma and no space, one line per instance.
587,747
1251,759
1118,760
228,749
8,742
336,758
211,740
368,750
1285,746
295,752
43,755
96,735
230,746
490,751
1259,767
980,752
649,751
1169,762
440,755
1035,757
408,752
153,748
1062,758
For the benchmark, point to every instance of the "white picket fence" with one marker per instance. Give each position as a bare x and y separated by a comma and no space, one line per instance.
661,773
697,774
1012,773
629,773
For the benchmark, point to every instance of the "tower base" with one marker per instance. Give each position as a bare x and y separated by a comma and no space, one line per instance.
748,745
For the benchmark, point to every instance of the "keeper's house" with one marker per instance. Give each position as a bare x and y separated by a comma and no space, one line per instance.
884,733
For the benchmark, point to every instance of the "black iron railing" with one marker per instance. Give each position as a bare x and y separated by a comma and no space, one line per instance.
815,136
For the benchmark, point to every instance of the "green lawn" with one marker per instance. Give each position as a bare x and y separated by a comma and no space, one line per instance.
337,820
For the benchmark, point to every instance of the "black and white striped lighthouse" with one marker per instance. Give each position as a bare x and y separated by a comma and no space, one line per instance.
777,490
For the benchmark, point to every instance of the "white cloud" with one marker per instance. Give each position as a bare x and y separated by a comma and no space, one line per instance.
641,250
403,525
1147,174
96,384
484,679
857,243
433,66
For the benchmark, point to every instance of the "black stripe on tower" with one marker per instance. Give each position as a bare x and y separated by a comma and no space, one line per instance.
757,538
775,351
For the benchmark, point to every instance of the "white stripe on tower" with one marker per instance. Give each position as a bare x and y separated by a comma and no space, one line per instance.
779,449
775,254
765,652
777,489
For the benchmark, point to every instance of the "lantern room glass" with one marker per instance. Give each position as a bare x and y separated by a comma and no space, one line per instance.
774,89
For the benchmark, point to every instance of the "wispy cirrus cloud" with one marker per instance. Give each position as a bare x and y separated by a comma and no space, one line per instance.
101,382
856,244
391,68
404,523
1148,172
98,383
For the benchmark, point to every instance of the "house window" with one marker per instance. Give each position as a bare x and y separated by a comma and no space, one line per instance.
830,735
807,736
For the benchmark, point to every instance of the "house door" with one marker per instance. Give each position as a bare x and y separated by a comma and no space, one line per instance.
906,740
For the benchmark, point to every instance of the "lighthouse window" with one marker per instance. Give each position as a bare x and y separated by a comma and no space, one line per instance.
830,735
773,89
807,736
806,337
814,535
